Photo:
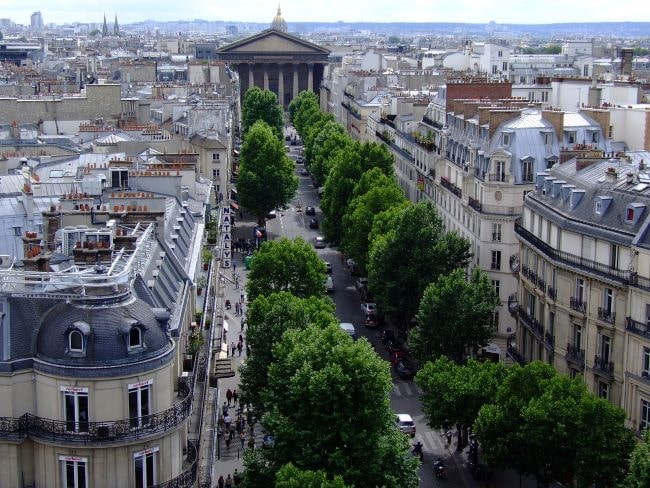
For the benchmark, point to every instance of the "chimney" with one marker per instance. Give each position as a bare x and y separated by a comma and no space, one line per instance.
626,61
556,118
629,177
498,117
15,130
601,116
611,175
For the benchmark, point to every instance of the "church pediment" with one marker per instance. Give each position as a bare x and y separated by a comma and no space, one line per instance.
271,41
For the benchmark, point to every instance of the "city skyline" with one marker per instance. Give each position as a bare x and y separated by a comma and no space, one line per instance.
259,11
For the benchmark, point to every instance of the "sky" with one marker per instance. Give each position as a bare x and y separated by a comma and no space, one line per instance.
472,11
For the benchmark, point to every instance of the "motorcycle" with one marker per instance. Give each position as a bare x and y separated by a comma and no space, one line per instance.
417,450
439,468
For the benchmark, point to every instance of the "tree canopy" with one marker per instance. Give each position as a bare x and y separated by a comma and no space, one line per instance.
374,193
291,477
328,409
268,317
638,475
544,424
262,105
286,265
267,178
328,141
410,255
298,106
455,316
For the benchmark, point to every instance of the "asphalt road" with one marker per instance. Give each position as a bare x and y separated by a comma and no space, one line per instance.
292,223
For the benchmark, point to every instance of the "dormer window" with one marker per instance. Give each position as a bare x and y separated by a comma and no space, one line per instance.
132,332
571,137
135,337
599,207
633,213
75,341
505,139
77,335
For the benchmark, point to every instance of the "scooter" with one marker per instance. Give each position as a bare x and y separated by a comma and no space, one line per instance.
439,468
417,450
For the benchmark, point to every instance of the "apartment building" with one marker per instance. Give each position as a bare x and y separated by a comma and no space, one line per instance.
584,280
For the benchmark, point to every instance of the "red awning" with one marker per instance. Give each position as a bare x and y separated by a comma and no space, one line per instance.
234,206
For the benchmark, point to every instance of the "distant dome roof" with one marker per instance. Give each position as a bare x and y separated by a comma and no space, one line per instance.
279,23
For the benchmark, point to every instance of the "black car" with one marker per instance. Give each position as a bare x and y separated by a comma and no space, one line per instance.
309,210
313,224
404,370
374,320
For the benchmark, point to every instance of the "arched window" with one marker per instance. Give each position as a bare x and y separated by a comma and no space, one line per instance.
135,337
75,341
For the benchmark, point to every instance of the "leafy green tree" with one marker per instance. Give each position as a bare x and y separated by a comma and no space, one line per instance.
284,265
268,317
455,393
374,193
540,425
262,105
412,254
300,103
330,140
267,178
328,409
455,316
638,475
291,477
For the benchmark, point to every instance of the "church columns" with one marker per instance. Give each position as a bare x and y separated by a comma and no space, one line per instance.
266,76
281,84
251,76
310,77
295,81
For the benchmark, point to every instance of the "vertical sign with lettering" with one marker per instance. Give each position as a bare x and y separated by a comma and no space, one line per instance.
226,240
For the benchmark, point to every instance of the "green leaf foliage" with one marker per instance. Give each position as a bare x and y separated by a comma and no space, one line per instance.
291,477
638,475
329,141
268,317
299,105
455,316
327,404
455,393
286,265
543,424
261,105
413,253
267,178
374,194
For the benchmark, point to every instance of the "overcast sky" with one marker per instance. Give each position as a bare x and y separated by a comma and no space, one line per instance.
474,11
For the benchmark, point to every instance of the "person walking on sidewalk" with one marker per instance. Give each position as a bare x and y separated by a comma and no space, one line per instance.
229,396
242,439
234,397
220,483
233,347
240,346
228,482
224,409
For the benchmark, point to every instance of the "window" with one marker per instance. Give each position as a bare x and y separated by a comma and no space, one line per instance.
571,137
135,337
18,231
548,138
74,471
604,347
551,323
497,286
545,96
500,170
145,470
495,319
580,289
594,136
496,232
505,139
585,71
608,302
629,214
119,178
504,67
599,207
139,402
75,341
577,336
644,421
527,170
494,69
215,156
500,54
610,131
75,408
613,255
603,390
645,367
496,260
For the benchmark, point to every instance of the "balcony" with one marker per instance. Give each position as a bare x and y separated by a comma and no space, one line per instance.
640,328
532,324
603,367
566,258
515,355
445,183
499,177
575,355
187,478
474,203
552,293
577,304
107,432
432,122
549,340
606,315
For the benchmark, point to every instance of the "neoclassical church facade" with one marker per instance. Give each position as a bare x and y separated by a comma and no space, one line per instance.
278,61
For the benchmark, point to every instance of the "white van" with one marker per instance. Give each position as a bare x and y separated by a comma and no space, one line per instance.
349,329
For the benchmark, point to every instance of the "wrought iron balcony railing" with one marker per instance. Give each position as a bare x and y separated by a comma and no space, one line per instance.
451,187
474,203
104,432
188,477
603,366
516,356
552,292
636,327
577,304
575,354
606,315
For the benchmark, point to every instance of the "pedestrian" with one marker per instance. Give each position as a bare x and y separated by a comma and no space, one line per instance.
228,482
234,267
448,435
227,421
227,442
251,442
242,324
229,396
242,439
232,432
234,397
241,338
240,346
237,308
233,347
220,483
224,409
236,477
241,298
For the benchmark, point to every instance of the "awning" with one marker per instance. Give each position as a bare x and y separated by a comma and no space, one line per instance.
492,348
234,206
225,326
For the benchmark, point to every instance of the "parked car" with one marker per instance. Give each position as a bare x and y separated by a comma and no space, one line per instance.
361,283
300,160
268,441
304,172
329,285
313,224
328,267
271,215
394,345
368,307
320,191
374,320
319,242
405,423
349,329
309,210
398,356
404,370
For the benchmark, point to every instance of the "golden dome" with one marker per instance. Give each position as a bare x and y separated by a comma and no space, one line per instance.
279,23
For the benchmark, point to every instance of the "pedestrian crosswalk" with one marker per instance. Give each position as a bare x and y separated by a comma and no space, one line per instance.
406,389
